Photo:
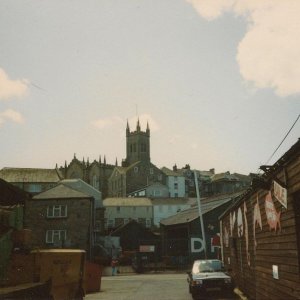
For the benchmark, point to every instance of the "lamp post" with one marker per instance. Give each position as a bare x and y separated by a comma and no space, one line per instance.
200,212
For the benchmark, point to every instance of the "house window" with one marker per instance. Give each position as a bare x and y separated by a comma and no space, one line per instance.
54,236
57,211
148,223
159,177
34,188
176,195
118,209
175,186
110,223
151,170
156,192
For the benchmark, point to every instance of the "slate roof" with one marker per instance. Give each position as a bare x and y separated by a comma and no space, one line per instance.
207,205
60,192
81,186
169,172
127,201
30,175
171,201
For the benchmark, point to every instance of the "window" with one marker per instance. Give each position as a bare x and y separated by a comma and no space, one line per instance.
95,181
110,223
136,169
118,209
156,193
54,236
159,177
175,186
151,170
34,188
148,223
57,211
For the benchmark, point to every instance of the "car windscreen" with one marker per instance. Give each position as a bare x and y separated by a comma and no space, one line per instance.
207,266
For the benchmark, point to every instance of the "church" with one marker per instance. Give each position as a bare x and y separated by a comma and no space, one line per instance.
136,171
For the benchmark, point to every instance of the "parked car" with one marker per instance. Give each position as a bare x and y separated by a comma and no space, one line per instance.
208,277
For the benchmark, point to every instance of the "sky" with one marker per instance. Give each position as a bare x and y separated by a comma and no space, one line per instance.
217,81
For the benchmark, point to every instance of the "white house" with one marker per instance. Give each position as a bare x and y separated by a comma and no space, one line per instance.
120,210
154,190
166,207
175,183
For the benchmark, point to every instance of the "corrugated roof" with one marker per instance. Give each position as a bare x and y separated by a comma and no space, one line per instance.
127,201
30,175
207,205
170,201
60,192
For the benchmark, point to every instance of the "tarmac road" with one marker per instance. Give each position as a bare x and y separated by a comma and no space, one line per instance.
143,287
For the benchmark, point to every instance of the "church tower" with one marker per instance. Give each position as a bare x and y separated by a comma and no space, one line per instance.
137,144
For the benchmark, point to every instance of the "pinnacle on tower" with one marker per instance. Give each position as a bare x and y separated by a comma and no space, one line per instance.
116,162
100,159
138,127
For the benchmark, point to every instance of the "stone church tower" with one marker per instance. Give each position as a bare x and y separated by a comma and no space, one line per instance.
137,145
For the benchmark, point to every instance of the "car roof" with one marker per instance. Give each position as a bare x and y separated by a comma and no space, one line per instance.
202,260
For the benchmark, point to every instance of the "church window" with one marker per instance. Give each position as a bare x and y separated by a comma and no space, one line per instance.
95,182
136,169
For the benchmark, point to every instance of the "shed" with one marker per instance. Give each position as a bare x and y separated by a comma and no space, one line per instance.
182,234
260,232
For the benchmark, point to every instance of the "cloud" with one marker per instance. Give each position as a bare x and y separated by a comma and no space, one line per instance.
269,53
11,115
12,88
107,122
144,118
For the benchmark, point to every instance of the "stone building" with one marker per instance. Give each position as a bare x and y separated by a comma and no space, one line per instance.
96,173
136,171
61,217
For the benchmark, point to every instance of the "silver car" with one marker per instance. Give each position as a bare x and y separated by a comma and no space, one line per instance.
208,277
